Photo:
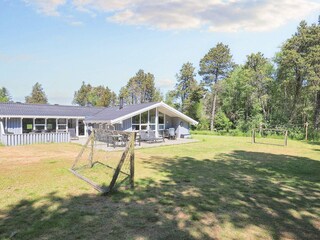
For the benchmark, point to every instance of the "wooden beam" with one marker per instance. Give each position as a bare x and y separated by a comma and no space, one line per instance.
93,184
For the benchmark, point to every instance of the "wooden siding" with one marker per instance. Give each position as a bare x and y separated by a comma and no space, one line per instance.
32,138
14,125
168,122
126,125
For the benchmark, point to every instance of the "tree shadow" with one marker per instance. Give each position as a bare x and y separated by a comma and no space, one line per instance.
314,143
249,193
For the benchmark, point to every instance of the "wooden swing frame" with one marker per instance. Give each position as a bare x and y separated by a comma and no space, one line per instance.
127,153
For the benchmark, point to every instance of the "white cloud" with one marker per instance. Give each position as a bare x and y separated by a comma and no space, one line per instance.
48,7
214,15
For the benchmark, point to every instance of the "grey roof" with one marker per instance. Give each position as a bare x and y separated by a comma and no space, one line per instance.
114,112
22,109
90,113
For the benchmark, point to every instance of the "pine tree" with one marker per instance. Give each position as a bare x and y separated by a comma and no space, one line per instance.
214,66
37,95
4,95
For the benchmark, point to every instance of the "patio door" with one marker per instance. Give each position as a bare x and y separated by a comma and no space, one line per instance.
81,128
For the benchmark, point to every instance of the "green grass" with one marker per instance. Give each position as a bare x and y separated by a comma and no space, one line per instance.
217,188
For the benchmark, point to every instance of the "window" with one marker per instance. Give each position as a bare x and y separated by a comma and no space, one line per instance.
147,120
135,127
152,116
51,124
153,127
62,124
136,119
136,123
39,123
161,118
27,125
161,125
144,127
144,118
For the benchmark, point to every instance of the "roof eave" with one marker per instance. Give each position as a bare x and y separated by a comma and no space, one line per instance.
159,104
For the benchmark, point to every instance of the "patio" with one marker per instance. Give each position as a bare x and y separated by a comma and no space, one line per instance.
167,142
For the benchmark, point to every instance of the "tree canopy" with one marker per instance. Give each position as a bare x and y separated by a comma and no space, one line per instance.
4,95
37,95
99,96
214,66
140,89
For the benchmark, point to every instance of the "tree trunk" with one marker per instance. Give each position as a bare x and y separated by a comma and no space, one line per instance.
317,111
213,112
296,96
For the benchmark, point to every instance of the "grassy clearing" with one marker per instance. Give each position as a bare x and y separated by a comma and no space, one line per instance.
218,188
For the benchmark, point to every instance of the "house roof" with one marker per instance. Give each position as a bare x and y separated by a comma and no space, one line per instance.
113,113
45,110
108,115
116,115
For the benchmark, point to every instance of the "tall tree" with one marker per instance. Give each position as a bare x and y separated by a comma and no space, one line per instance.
314,75
171,99
100,96
298,74
186,83
140,89
4,95
37,95
214,66
95,96
261,74
81,97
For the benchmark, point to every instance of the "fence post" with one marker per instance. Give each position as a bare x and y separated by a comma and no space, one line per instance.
306,125
253,140
286,138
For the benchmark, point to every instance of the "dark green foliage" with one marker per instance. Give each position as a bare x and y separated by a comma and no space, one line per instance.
214,66
140,89
95,96
287,95
186,84
37,95
4,95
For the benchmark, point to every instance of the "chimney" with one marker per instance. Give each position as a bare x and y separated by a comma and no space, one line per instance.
121,103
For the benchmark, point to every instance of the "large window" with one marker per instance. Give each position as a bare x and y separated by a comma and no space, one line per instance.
152,119
161,124
136,122
144,121
147,120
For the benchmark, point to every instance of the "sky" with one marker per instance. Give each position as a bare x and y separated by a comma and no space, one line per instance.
61,43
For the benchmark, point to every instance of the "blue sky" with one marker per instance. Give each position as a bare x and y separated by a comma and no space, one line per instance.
60,43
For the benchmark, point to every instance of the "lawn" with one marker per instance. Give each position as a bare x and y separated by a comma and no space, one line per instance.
217,188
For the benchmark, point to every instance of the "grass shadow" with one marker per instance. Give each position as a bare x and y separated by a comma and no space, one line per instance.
239,195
